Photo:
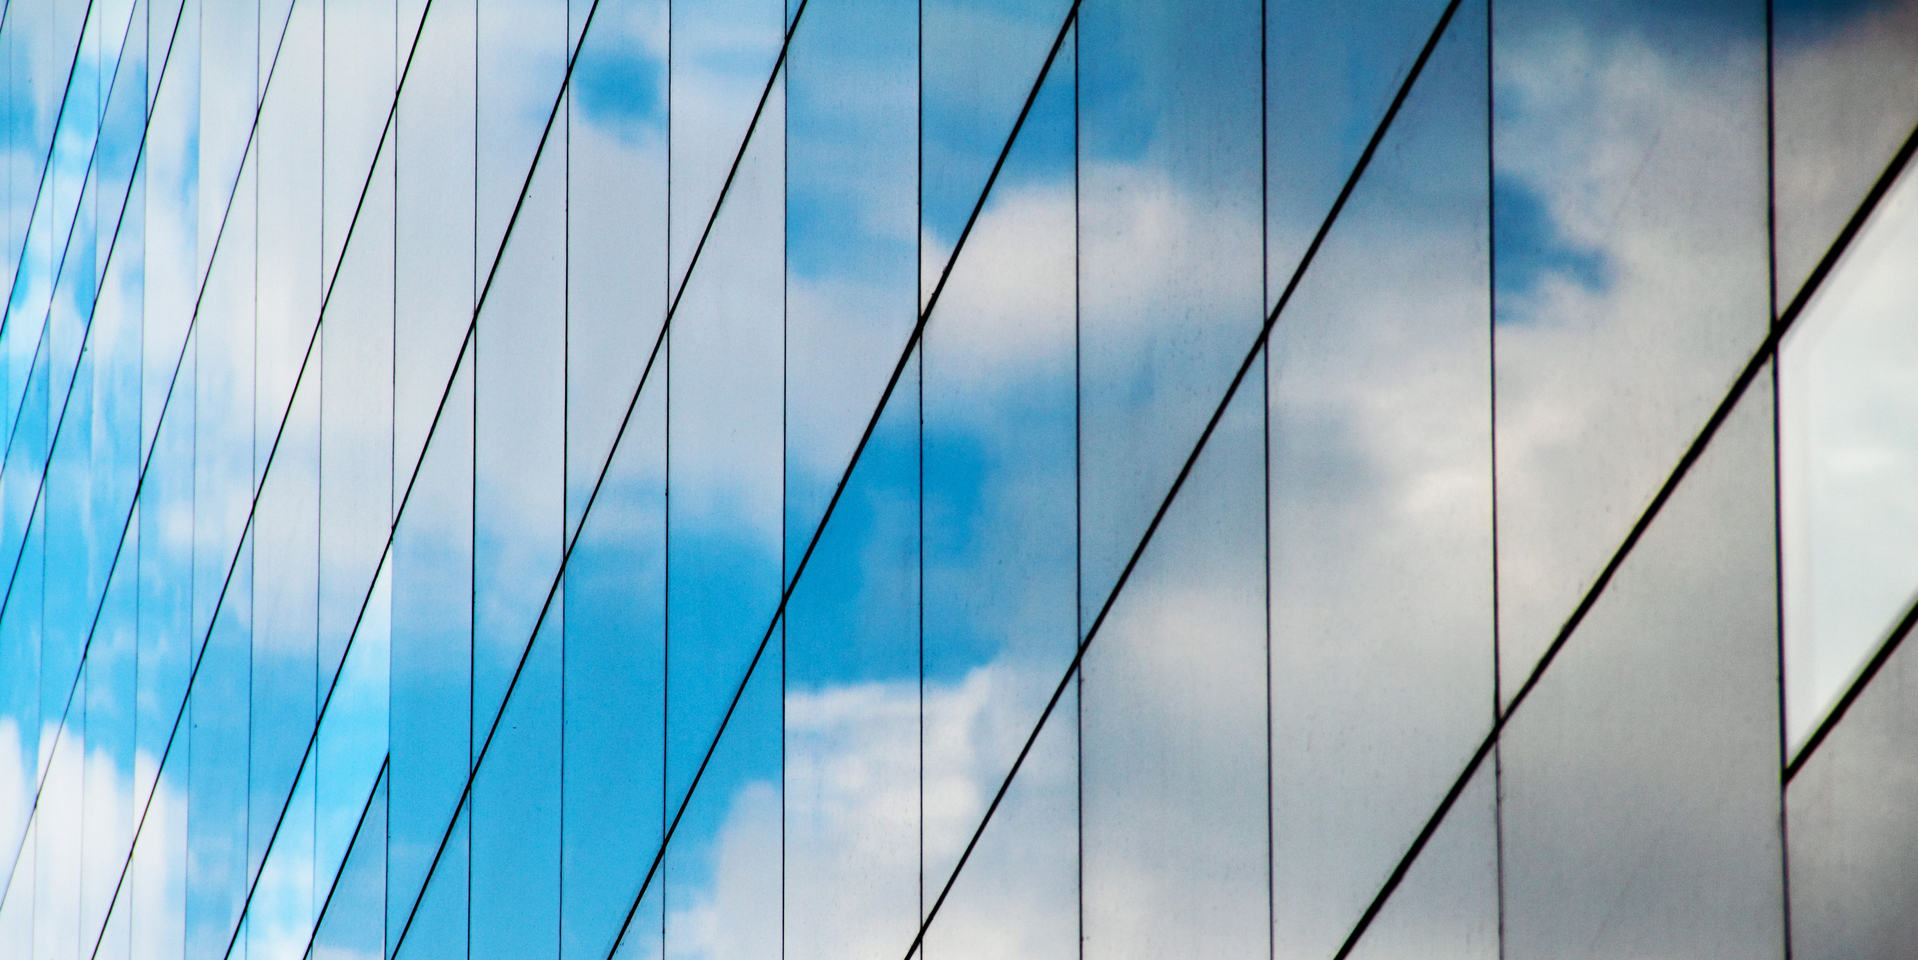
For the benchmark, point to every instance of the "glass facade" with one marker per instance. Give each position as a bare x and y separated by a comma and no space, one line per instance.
874,479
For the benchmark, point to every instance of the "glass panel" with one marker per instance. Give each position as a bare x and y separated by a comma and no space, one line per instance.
1849,462
1851,834
1174,800
1174,795
852,643
519,491
1640,779
720,882
1381,535
1000,512
1629,194
1331,72
351,923
614,596
1843,74
1170,256
432,554
1447,905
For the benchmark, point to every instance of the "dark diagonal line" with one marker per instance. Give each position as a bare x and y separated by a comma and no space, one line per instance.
319,919
872,424
606,466
1885,649
46,167
1191,460
40,488
1766,352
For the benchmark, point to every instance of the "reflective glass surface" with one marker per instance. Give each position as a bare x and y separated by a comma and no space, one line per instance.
867,479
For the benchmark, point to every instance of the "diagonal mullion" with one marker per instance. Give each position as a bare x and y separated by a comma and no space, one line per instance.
1766,352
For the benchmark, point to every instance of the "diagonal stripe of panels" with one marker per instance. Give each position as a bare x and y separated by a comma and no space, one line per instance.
645,478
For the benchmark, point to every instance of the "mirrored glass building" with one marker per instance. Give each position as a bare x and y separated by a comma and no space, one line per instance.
938,479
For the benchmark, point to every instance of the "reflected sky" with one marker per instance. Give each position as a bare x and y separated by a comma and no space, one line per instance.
1162,190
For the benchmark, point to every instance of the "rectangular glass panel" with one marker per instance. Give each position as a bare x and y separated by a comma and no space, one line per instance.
1629,225
1640,779
1381,493
1000,509
1848,462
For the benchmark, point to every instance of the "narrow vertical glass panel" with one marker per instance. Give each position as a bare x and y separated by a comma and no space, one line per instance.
162,552
1848,381
363,57
288,157
1170,256
433,229
57,836
1381,487
852,632
280,901
722,53
968,107
350,751
170,274
109,794
432,553
1851,833
431,718
614,690
217,789
724,470
229,70
999,515
153,895
1844,76
615,233
852,712
1630,257
1331,72
516,813
522,51
1173,784
1640,810
519,509
615,576
437,926
355,377
851,268
1447,905
519,345
721,880
353,910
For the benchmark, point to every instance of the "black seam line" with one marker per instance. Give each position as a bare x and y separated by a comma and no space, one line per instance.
1192,459
606,467
113,245
1858,685
166,404
905,356
319,919
46,166
1766,351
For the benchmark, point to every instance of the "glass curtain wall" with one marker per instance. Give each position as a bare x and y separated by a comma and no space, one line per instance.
898,479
